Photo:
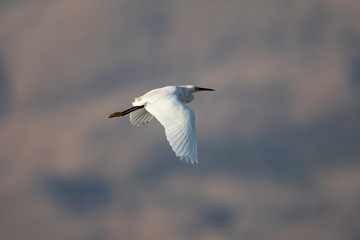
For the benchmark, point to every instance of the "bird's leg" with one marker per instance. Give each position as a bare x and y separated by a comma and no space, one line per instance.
119,114
116,114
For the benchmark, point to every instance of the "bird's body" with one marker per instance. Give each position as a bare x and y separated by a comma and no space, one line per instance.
167,106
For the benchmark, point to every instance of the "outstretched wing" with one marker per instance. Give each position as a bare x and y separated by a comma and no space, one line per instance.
179,123
140,117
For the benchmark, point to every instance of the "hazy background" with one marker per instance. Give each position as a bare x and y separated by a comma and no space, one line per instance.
278,141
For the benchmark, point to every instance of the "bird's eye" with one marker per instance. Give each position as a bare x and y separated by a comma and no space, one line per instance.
196,88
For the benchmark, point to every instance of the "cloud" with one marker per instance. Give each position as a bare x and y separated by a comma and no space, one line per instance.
81,194
5,91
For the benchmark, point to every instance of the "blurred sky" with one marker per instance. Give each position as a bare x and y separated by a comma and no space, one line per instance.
278,140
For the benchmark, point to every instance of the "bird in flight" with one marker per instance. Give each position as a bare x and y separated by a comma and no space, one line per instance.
167,106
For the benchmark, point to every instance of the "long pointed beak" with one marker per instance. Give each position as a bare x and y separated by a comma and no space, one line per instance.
204,89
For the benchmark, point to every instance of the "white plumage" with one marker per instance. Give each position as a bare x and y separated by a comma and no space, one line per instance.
140,117
167,106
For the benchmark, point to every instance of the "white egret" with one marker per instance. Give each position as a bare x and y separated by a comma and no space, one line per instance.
167,106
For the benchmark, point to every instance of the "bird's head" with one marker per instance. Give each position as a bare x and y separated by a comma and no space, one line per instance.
193,88
187,90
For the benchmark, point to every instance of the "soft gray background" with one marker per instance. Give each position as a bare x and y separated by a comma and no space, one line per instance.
278,139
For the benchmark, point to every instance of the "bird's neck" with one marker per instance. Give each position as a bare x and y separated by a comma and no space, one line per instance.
185,96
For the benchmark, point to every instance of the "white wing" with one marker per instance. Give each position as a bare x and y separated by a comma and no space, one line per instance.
140,117
179,123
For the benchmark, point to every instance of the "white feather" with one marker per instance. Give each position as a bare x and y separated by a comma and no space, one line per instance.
177,119
140,117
